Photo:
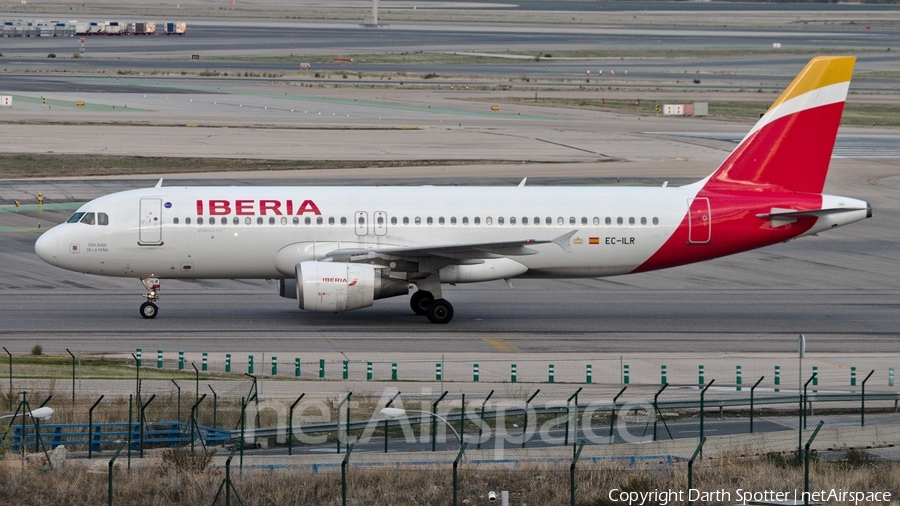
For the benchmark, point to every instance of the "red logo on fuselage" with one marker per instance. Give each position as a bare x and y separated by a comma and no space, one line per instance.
220,207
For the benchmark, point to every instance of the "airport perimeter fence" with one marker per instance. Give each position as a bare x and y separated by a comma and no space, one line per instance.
544,444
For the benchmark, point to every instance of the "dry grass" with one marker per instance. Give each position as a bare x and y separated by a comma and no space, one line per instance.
529,484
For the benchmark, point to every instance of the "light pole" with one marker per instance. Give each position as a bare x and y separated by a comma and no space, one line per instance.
395,413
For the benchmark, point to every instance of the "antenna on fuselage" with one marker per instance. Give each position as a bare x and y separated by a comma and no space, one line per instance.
159,183
523,182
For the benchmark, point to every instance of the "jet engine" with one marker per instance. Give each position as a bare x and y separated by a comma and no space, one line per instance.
338,286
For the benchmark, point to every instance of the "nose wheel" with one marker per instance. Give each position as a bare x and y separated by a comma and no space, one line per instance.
149,309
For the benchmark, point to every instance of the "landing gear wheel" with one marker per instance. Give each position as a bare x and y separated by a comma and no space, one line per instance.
440,311
149,310
420,302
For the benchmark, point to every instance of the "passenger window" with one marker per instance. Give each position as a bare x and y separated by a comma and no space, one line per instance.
406,220
271,220
259,220
88,219
656,221
465,220
608,220
75,218
200,220
283,220
429,220
393,220
643,220
361,220
631,220
418,220
247,220
307,220
619,220
224,221
343,220
321,220
441,220
296,220
560,221
512,221
453,220
477,220
596,220
102,219
187,221
175,221
584,220
331,220
488,220
550,220
237,221
524,220
500,220
571,220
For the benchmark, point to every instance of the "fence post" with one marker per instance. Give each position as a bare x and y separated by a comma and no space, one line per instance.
815,370
142,421
475,373
656,409
751,400
228,362
344,474
550,374
525,423
368,371
802,420
481,424
346,372
702,415
575,456
587,374
205,362
512,373
110,472
274,365
346,422
159,359
700,375
613,415
569,415
462,448
90,428
297,367
434,421
387,405
291,424
180,360
394,371
662,375
625,372
806,463
862,405
853,376
691,469
321,368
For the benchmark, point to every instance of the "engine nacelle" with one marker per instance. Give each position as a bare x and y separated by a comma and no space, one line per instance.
337,286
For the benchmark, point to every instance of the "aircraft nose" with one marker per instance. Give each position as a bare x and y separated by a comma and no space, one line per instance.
47,247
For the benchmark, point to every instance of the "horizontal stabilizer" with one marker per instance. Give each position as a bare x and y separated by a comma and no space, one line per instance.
777,213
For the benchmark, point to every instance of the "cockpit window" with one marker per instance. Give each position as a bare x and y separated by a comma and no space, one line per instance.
75,218
88,219
102,219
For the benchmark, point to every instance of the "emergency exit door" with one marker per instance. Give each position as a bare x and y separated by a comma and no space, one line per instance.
150,233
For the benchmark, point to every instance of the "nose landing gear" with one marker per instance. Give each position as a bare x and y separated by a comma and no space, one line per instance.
149,309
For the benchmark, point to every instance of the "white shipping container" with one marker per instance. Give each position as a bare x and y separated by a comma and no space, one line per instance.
673,110
6,101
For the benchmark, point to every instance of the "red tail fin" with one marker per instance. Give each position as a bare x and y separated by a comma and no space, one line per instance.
790,147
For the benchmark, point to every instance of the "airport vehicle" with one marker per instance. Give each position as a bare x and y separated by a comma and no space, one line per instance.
340,248
176,28
143,28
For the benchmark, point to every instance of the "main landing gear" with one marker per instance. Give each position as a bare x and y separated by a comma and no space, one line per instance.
149,309
437,311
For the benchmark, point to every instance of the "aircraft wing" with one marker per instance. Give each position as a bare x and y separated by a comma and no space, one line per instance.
456,252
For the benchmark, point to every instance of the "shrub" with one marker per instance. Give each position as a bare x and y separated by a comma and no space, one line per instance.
51,55
37,350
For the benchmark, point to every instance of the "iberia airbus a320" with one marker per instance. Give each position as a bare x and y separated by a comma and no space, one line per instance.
340,248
